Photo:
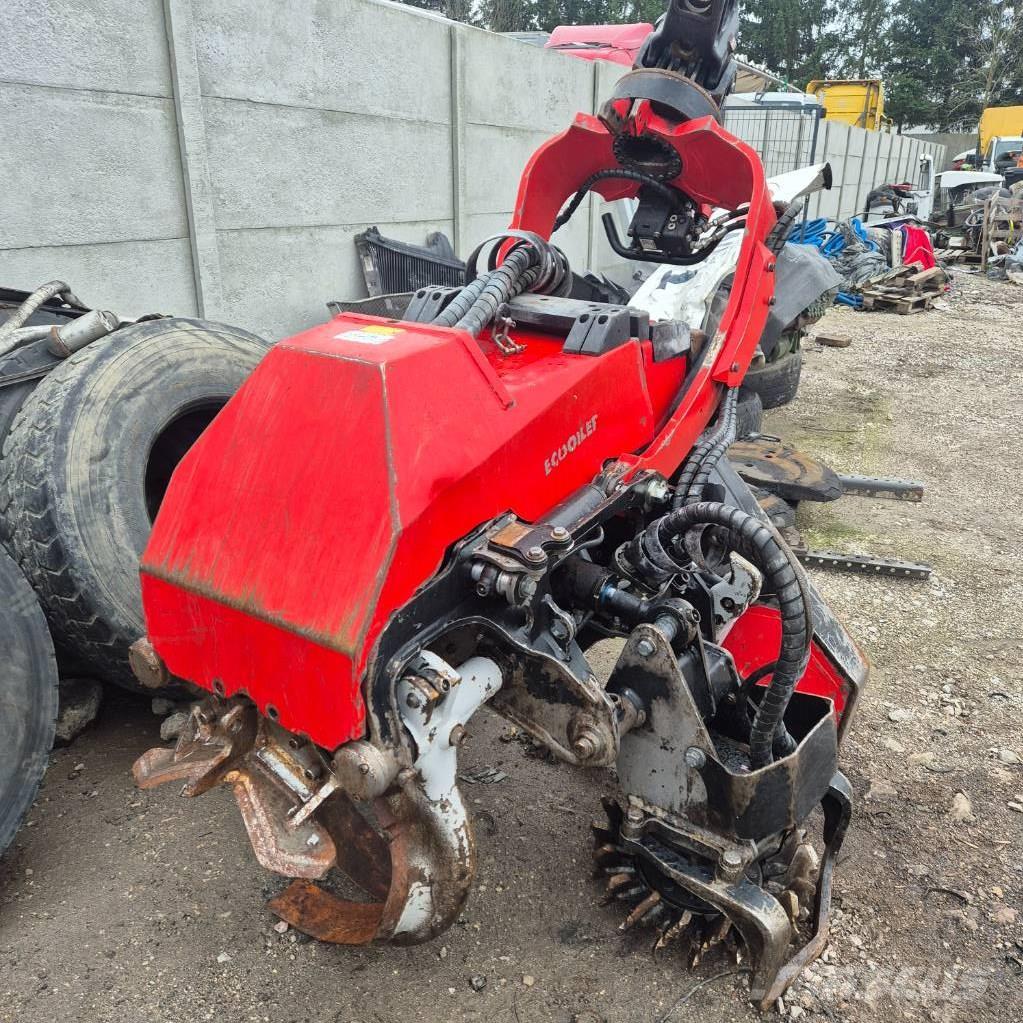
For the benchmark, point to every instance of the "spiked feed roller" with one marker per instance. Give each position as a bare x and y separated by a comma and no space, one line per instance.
396,521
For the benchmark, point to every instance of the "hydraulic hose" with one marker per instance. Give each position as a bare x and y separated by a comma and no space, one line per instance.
531,264
723,432
783,575
462,302
730,416
508,280
780,232
669,193
9,339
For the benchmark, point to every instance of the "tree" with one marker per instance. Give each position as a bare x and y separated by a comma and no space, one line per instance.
929,54
794,39
952,58
943,61
999,42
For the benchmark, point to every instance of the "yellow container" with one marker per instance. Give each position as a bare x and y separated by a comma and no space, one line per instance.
998,122
856,101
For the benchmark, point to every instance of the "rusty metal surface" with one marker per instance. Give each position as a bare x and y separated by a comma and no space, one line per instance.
862,564
362,852
313,911
307,851
428,878
216,736
274,779
415,867
376,864
883,489
780,469
147,665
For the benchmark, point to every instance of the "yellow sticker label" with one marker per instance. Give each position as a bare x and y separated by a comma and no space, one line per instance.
372,334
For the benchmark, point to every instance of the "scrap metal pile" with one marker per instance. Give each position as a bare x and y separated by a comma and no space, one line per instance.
965,218
990,234
889,268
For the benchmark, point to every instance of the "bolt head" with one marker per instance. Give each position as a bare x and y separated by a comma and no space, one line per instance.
645,648
730,865
634,816
657,491
584,747
559,533
536,554
412,701
147,665
458,736
313,841
695,757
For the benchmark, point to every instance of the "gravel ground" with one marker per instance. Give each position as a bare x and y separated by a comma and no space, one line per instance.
121,905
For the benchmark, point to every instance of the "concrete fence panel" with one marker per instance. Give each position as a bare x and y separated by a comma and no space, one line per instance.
222,163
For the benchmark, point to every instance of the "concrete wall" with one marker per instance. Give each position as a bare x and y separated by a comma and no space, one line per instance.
89,154
861,160
222,163
954,143
216,157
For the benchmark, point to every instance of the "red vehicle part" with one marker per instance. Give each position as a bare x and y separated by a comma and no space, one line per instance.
296,591
752,642
293,592
394,522
617,43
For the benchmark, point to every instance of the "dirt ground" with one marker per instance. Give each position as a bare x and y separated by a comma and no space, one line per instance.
117,905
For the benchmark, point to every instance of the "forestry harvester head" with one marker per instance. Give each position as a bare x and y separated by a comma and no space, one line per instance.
397,521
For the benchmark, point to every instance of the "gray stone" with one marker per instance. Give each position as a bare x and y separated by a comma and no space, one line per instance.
80,700
171,727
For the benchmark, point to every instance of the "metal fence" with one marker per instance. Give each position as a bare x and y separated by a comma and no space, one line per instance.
786,138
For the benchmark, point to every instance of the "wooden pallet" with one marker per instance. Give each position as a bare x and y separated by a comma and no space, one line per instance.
904,290
897,303
1002,218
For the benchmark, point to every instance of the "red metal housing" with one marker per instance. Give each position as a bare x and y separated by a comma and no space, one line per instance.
333,484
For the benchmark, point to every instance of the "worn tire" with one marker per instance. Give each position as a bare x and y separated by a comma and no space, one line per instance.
28,697
20,373
776,382
86,464
749,414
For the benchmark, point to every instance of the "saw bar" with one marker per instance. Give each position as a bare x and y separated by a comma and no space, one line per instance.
890,490
862,564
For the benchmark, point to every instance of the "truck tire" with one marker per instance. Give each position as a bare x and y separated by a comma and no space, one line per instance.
87,462
20,373
776,382
749,414
28,697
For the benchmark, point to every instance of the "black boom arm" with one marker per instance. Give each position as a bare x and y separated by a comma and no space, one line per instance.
696,38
